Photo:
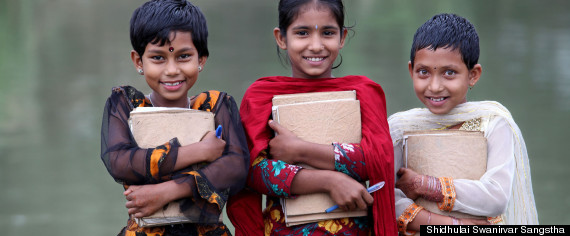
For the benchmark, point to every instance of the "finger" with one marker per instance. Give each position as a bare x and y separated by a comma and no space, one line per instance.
351,206
208,134
368,199
127,192
130,204
361,204
139,215
274,126
133,211
401,171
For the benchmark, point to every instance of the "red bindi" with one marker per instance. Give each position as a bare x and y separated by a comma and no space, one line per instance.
171,49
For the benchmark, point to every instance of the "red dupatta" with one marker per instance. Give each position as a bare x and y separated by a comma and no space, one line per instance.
244,209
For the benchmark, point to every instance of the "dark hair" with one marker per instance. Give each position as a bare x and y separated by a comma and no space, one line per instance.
448,31
156,19
289,9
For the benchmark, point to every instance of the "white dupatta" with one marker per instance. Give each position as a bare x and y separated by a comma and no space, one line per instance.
521,207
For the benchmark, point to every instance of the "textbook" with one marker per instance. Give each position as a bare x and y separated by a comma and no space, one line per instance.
155,126
320,117
457,154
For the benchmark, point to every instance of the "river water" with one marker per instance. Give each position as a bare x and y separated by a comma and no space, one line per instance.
60,58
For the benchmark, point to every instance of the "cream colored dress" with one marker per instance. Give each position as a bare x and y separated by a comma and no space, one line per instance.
505,189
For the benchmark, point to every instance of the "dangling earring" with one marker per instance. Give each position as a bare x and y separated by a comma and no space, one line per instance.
140,70
200,68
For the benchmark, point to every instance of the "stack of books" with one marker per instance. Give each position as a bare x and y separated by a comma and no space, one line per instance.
446,153
155,126
324,118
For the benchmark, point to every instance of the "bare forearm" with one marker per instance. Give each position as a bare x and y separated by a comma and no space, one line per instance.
319,156
177,191
308,181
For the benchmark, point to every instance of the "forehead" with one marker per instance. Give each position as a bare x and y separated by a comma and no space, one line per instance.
438,57
314,14
176,38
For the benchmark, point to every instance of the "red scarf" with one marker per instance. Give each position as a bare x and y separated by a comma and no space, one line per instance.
244,209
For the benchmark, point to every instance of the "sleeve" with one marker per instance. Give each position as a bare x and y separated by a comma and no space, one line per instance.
126,162
272,177
212,184
495,185
402,202
349,159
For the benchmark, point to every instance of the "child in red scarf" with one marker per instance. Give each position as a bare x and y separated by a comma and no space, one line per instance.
313,33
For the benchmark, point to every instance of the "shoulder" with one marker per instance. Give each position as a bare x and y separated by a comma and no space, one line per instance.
128,94
211,99
360,79
405,115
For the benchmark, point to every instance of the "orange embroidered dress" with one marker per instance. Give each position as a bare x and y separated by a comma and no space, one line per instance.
212,184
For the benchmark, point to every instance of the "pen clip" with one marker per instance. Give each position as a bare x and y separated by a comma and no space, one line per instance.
219,131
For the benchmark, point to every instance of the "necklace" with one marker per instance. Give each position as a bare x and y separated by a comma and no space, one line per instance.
152,103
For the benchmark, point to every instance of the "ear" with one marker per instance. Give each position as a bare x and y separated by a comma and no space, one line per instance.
202,61
411,68
475,74
279,38
343,37
137,60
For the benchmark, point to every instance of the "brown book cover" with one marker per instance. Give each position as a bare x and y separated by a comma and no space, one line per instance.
154,126
311,97
328,117
446,153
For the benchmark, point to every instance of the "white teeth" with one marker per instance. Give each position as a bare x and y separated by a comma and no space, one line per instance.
172,84
315,58
437,99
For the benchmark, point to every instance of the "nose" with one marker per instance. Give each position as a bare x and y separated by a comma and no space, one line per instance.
171,68
435,84
316,43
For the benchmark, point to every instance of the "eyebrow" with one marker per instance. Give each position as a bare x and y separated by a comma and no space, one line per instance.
185,49
444,67
302,27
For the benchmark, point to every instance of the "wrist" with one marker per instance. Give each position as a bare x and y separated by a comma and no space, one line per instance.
431,188
300,151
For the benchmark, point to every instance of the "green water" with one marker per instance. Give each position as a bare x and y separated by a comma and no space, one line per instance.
60,58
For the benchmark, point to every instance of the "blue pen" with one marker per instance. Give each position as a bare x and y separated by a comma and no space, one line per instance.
219,131
371,189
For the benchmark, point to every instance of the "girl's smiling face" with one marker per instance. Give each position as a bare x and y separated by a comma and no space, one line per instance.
441,78
170,70
313,41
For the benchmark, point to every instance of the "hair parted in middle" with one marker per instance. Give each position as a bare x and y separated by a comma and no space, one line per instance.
289,9
448,31
156,19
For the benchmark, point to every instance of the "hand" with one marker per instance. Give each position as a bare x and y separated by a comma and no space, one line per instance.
410,183
213,147
349,194
144,200
284,146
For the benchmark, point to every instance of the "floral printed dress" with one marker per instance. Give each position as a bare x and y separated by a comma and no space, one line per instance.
276,181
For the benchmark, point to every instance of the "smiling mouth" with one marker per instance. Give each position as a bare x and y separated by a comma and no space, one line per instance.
314,59
171,84
437,99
